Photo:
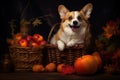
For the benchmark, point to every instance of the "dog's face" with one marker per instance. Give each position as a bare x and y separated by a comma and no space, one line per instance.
75,20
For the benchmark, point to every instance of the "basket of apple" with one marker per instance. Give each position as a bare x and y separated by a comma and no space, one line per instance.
25,51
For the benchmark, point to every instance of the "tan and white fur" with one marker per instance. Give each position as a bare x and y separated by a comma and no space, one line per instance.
74,27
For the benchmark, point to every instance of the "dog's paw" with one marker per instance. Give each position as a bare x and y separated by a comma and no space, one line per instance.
61,45
70,44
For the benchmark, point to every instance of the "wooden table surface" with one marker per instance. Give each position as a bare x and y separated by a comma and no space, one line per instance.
54,76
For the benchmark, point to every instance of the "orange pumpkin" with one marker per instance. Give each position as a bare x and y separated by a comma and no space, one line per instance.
85,65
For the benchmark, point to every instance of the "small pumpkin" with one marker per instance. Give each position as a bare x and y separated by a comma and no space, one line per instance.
37,68
51,67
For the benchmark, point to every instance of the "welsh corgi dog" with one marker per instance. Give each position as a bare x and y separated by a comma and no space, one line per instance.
74,27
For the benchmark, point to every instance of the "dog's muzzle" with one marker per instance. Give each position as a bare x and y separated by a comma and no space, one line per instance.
75,26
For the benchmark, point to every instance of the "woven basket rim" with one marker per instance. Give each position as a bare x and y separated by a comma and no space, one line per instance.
55,46
40,47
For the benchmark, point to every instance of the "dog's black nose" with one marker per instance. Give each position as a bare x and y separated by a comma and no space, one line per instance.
75,22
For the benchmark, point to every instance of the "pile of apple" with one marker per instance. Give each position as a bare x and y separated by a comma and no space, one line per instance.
52,67
34,40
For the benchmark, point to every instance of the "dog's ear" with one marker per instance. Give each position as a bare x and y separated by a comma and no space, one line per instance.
62,11
87,10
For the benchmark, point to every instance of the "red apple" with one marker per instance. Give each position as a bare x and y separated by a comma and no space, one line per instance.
67,69
85,65
23,43
34,44
10,41
98,59
37,37
18,36
43,42
29,38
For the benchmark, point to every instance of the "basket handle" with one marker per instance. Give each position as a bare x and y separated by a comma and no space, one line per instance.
50,33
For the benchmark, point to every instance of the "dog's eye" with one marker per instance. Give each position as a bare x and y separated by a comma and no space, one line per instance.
79,18
70,17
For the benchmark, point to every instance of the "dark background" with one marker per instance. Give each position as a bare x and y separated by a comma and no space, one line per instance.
103,11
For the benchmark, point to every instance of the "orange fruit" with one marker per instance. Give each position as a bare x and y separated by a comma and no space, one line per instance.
60,67
51,67
37,68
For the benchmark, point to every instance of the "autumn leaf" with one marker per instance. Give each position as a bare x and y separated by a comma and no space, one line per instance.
112,23
107,35
116,54
36,22
110,29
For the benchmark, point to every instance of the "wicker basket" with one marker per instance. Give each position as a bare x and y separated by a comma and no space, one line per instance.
67,56
24,58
